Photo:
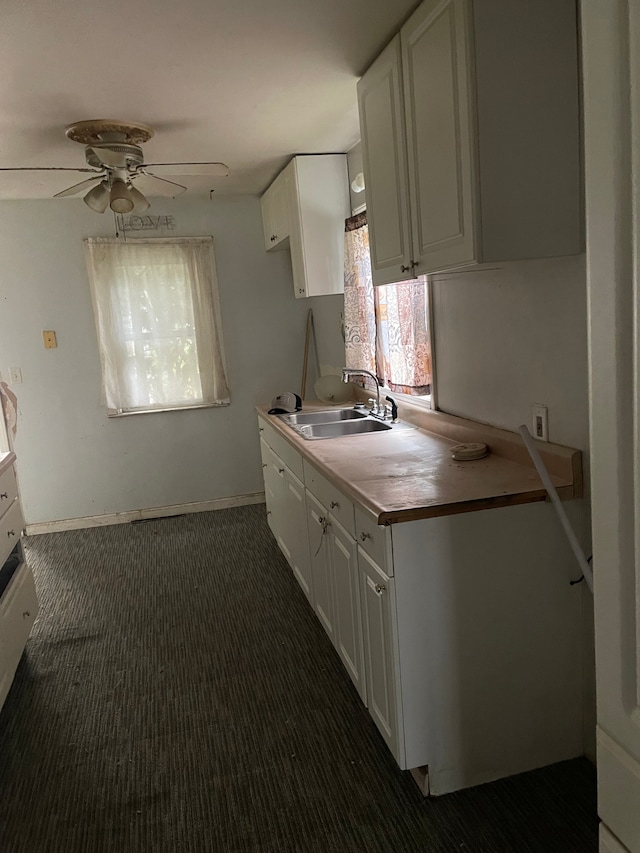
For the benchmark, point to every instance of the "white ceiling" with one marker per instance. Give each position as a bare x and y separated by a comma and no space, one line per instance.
245,82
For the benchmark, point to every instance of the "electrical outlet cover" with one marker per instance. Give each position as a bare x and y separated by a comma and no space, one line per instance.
540,422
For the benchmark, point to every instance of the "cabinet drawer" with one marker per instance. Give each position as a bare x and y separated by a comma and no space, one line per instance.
8,490
289,455
374,539
11,525
332,498
18,610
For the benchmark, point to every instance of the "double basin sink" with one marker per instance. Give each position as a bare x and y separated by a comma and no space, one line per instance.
334,423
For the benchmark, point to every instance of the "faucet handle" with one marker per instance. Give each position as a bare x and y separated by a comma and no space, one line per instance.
372,405
394,408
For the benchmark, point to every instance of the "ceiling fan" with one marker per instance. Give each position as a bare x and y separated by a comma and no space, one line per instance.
113,153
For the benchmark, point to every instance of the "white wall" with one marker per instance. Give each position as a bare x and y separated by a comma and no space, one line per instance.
73,461
510,337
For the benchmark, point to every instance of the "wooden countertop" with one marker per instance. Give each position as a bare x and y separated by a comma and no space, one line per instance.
6,461
409,474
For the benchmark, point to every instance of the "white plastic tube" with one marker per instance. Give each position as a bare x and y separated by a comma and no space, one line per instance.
585,568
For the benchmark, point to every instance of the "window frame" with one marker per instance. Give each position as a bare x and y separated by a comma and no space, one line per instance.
430,403
215,329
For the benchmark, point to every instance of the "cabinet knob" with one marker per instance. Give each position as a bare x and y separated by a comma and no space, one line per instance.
260,429
365,536
380,588
4,496
300,290
334,505
280,470
11,533
273,238
412,265
264,464
268,512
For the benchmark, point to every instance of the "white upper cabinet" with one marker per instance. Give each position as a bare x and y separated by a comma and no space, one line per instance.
380,105
470,133
309,200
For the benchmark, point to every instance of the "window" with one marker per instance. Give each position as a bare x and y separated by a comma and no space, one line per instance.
386,328
158,323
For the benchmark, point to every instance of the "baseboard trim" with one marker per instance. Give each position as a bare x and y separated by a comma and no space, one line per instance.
139,514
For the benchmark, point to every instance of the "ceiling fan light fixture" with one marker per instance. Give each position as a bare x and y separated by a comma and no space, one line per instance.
98,197
121,200
140,202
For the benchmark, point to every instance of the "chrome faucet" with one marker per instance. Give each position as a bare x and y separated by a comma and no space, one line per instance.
351,371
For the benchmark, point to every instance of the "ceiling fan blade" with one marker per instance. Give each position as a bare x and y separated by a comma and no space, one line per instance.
88,184
214,170
152,185
115,159
46,169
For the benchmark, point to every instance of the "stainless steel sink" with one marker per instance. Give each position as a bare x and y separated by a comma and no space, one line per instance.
340,428
327,417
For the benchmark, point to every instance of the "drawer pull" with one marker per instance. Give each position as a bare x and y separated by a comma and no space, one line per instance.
334,505
4,496
11,533
365,536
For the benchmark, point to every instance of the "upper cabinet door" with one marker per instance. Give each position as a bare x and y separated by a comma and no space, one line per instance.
268,227
436,57
275,213
381,110
280,204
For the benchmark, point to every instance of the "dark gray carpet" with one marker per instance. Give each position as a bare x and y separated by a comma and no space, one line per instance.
177,694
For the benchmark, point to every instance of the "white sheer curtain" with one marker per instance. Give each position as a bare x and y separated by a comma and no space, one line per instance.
158,321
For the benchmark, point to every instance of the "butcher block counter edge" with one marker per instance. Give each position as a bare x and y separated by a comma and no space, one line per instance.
563,463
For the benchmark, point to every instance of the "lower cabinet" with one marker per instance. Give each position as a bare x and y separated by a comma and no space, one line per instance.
337,587
293,535
272,487
346,584
461,633
319,545
377,596
287,515
18,599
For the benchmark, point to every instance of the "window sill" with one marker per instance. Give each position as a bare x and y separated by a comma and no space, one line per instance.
128,412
